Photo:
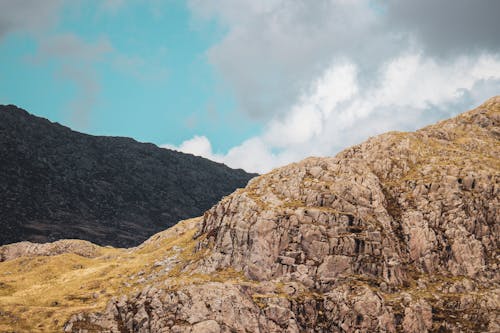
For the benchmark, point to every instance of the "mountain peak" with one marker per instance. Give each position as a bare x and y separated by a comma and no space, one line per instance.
389,235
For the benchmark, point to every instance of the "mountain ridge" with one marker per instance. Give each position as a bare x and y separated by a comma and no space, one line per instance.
57,183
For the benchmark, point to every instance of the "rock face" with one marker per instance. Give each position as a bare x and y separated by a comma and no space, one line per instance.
398,234
56,183
28,249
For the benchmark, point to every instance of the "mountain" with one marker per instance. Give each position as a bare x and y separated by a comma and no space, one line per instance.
398,234
57,183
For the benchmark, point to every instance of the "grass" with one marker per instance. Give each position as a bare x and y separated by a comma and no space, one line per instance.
39,294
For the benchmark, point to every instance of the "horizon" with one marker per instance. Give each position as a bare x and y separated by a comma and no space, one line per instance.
177,149
252,84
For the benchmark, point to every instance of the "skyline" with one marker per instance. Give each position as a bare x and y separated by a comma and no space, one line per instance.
253,84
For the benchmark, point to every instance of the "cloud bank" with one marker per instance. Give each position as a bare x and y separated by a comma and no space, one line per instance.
335,112
324,75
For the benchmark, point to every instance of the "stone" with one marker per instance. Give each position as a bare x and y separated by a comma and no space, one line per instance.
334,266
417,318
409,240
207,326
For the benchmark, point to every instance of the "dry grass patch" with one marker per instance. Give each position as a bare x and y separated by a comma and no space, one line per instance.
38,294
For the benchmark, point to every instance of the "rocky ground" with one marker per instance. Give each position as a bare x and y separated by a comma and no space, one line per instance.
398,234
28,249
56,183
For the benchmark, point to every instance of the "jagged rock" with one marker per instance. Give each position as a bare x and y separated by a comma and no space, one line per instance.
398,234
418,317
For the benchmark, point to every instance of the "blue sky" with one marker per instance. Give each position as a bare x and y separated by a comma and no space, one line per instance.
149,76
255,84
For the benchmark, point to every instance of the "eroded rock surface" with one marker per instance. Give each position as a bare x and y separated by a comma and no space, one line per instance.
28,249
400,233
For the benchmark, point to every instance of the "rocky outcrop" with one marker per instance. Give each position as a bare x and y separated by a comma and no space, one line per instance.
28,249
56,183
398,234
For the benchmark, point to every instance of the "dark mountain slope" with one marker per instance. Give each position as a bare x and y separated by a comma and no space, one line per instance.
56,183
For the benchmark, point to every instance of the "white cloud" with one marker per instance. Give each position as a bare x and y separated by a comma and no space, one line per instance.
198,145
307,117
321,75
411,91
274,49
326,74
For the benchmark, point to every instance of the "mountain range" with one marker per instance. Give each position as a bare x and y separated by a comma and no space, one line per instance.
397,234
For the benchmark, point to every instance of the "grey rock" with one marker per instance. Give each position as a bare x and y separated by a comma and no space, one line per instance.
388,236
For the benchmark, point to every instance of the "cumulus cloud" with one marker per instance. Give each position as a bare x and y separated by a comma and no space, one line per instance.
199,146
326,74
320,75
413,90
274,49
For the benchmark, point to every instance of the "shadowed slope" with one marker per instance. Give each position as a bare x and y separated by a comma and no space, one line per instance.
56,183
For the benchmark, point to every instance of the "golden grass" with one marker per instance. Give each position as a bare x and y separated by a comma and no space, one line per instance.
39,294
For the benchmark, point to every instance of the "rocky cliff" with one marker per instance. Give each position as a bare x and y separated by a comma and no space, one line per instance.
398,234
56,183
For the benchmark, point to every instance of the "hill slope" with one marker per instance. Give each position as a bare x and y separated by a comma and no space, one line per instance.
398,234
56,183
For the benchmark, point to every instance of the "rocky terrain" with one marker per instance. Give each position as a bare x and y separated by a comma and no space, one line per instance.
397,234
56,183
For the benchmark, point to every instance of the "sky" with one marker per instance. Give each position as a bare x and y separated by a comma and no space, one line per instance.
255,84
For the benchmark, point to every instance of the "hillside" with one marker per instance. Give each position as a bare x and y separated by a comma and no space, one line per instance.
56,183
398,234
